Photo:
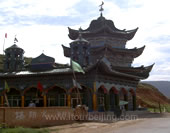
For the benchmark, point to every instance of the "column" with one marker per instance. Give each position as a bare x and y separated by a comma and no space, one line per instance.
117,100
134,102
45,100
22,101
69,100
2,100
126,99
107,101
94,98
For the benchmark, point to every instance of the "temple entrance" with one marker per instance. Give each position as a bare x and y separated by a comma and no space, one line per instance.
113,98
77,97
14,97
123,96
81,96
33,94
75,101
101,99
56,96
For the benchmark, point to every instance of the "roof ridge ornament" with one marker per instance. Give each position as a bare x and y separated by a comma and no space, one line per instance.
80,33
101,8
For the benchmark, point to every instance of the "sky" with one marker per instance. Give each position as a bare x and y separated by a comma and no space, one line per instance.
41,26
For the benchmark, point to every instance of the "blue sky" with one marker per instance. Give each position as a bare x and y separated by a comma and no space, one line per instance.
41,25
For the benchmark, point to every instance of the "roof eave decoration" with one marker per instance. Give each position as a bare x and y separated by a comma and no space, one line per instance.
67,51
73,34
149,68
131,33
137,52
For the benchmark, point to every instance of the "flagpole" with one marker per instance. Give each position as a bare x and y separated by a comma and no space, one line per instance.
6,99
7,89
77,86
3,46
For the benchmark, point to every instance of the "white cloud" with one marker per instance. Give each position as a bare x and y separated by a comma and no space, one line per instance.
39,7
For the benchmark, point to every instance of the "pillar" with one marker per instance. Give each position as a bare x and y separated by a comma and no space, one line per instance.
69,100
2,100
94,98
126,99
45,100
107,101
22,101
134,102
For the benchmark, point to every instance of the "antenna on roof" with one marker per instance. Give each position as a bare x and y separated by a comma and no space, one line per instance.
101,8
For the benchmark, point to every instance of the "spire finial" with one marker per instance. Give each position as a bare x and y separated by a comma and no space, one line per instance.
101,8
80,34
15,39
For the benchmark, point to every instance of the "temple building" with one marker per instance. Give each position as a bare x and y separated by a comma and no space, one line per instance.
100,50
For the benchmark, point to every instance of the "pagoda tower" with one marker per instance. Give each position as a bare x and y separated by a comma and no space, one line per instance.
14,58
107,41
109,62
79,50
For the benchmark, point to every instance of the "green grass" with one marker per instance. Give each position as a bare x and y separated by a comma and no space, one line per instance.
23,130
167,109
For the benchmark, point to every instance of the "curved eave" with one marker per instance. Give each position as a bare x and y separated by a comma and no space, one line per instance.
133,52
115,33
108,70
137,52
149,68
66,51
134,69
128,35
73,34
142,72
131,33
146,71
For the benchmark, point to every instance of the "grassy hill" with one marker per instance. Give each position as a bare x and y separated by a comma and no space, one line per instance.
163,86
148,96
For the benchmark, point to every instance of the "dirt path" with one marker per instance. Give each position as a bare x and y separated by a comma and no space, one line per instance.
115,127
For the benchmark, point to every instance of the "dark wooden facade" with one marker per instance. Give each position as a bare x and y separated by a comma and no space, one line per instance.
109,76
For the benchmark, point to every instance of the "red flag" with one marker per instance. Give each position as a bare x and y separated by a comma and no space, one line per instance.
39,87
5,35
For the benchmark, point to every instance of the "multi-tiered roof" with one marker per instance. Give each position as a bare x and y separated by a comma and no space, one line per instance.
107,41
